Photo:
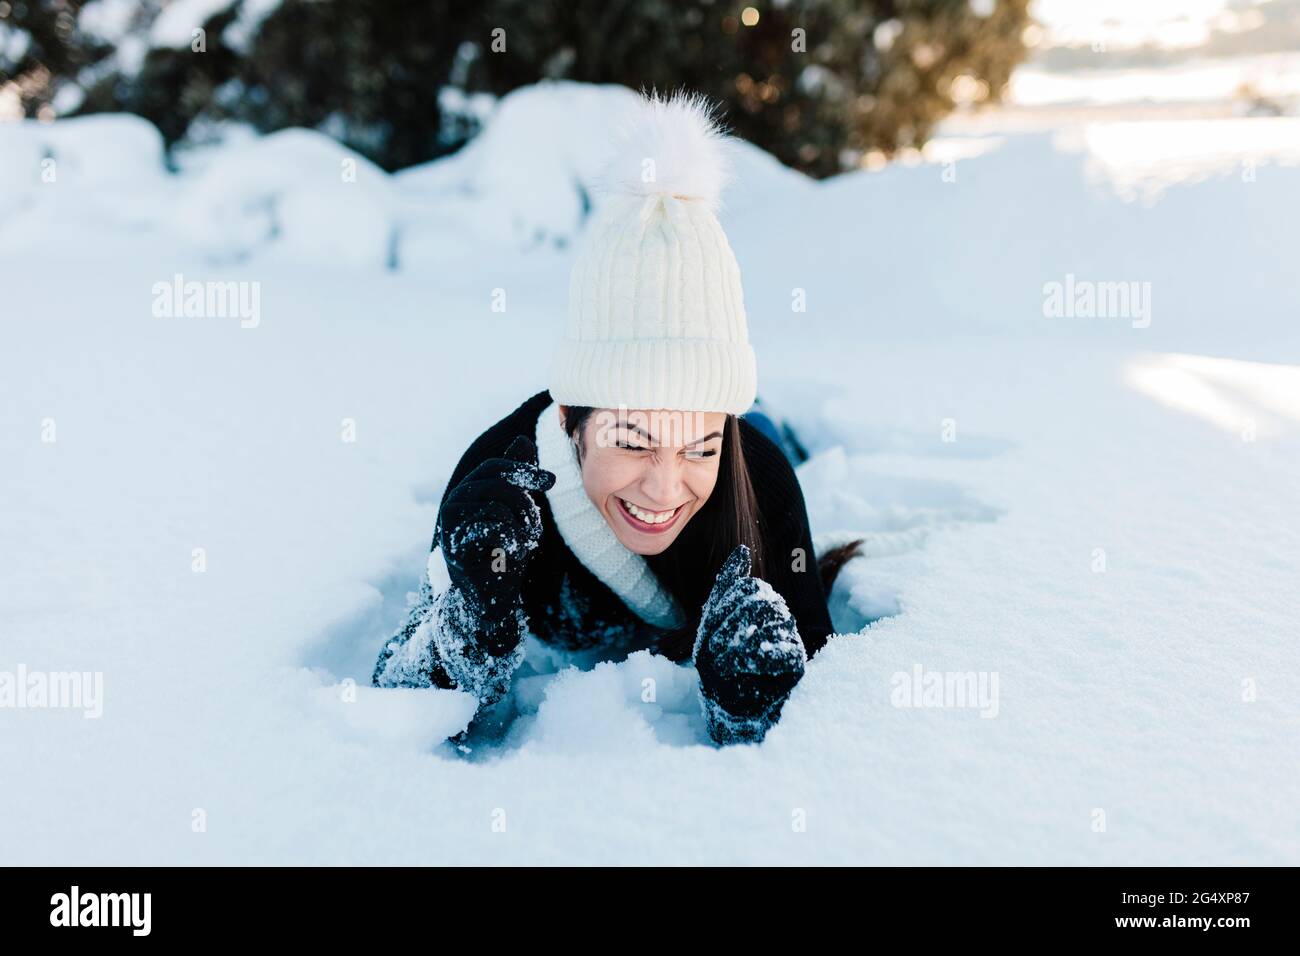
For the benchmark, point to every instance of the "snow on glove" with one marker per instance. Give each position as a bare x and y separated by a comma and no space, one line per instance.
748,653
488,526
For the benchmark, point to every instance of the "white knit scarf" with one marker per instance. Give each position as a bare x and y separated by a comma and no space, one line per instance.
589,536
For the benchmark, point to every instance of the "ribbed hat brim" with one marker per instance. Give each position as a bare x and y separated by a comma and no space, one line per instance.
694,375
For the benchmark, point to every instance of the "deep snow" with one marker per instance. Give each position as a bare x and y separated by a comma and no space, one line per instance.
993,457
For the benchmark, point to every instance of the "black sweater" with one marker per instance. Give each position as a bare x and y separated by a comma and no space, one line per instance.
568,606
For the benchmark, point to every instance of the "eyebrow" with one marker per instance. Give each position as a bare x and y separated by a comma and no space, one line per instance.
641,431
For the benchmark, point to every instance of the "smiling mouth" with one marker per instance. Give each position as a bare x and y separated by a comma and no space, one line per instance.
649,522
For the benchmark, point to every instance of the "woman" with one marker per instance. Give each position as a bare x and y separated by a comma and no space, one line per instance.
631,505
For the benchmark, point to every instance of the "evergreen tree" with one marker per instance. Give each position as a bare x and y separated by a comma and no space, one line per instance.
820,84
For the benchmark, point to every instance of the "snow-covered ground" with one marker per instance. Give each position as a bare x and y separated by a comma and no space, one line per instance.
1095,518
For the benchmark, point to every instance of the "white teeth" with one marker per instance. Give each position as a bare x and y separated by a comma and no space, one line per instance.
649,517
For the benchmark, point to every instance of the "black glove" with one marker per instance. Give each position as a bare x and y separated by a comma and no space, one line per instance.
491,509
747,651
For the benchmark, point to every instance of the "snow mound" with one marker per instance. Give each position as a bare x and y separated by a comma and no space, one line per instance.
610,708
87,152
67,183
529,180
526,179
535,173
406,718
297,194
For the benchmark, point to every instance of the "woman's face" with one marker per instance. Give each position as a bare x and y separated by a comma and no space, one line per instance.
648,472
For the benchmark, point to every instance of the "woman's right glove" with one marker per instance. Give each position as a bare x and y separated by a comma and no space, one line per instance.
487,528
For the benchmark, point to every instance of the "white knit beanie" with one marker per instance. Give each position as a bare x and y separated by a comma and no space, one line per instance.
656,315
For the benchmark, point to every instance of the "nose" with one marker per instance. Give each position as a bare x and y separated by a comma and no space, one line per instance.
662,484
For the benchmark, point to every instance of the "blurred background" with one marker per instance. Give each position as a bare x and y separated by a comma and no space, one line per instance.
407,81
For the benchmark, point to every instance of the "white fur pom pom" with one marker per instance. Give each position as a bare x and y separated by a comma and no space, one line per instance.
672,146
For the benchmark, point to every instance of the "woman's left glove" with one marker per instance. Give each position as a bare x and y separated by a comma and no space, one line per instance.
748,653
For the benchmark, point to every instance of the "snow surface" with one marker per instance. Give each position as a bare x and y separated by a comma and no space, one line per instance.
1161,692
